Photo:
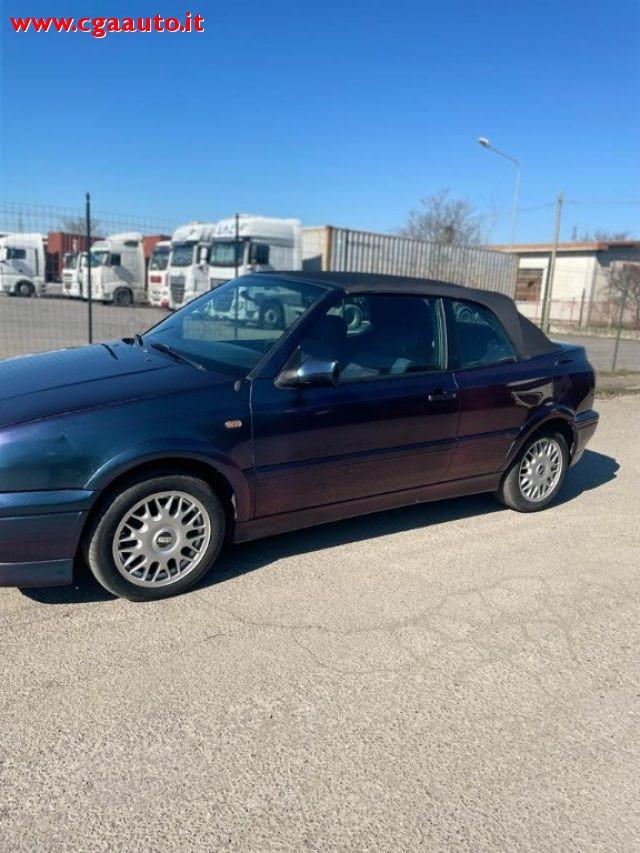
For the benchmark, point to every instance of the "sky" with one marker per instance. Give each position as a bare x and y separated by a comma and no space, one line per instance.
342,113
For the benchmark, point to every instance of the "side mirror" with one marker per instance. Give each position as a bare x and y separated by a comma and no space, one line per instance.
312,372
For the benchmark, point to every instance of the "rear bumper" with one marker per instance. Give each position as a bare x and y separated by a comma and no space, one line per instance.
584,424
39,536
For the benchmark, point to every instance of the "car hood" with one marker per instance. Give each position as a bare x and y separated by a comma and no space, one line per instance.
39,386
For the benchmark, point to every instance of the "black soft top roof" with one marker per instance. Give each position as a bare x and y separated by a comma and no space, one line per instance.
528,339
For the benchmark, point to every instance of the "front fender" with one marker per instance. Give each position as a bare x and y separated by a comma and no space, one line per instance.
165,450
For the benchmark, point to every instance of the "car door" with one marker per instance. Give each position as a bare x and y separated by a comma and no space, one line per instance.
390,423
486,370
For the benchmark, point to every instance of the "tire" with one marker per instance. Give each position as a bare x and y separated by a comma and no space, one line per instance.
271,315
120,529
123,297
24,288
531,485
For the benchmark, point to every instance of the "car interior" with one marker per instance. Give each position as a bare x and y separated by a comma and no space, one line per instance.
394,335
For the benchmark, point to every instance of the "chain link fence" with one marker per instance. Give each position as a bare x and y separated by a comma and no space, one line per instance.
59,316
42,302
608,328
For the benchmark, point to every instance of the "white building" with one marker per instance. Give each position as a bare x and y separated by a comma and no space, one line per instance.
581,292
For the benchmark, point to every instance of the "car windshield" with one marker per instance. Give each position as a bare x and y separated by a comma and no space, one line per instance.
226,253
160,258
182,256
70,261
229,329
99,259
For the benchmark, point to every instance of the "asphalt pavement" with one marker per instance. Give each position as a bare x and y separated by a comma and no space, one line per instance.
453,676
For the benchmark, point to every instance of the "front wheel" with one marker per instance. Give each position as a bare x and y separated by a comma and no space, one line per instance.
25,289
271,315
156,537
536,475
123,297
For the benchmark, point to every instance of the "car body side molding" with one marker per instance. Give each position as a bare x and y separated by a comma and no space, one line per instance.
298,519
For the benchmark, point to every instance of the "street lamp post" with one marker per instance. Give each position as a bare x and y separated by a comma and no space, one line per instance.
482,140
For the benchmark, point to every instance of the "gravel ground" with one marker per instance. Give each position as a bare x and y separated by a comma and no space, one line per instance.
453,676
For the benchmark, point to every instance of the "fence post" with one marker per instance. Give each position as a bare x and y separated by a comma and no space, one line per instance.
546,304
89,292
237,296
625,293
237,241
584,294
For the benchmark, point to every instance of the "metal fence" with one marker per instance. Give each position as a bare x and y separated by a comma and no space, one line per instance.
53,320
348,250
599,317
610,335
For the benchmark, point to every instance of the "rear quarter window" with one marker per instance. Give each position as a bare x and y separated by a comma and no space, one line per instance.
478,337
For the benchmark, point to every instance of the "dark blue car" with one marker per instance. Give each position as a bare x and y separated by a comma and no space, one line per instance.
228,421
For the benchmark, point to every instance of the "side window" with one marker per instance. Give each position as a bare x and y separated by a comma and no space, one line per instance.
115,260
378,335
478,336
16,254
259,253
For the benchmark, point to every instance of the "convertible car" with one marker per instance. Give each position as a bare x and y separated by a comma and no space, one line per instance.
358,394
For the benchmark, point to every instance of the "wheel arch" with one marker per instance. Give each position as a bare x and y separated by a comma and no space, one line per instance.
233,499
559,420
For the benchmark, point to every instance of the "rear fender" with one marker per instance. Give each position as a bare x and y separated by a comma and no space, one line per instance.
535,422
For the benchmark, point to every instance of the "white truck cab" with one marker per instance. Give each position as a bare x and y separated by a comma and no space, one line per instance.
22,264
188,268
72,264
263,244
117,270
158,275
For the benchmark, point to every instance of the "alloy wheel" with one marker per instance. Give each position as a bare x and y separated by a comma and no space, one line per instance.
540,469
161,539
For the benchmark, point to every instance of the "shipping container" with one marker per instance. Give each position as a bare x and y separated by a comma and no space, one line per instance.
58,244
326,247
150,241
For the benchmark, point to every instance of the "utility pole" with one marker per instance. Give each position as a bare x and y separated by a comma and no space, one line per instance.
237,296
623,301
545,321
89,294
237,242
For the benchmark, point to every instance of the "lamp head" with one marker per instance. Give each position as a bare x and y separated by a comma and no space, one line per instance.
482,140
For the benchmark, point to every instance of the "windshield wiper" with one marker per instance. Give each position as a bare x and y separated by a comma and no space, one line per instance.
177,355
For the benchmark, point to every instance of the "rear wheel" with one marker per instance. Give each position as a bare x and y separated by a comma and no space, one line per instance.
156,537
537,473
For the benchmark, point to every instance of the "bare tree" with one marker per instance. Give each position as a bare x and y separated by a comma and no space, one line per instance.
598,235
442,219
624,283
78,225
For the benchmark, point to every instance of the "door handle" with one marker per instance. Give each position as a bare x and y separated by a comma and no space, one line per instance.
440,395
